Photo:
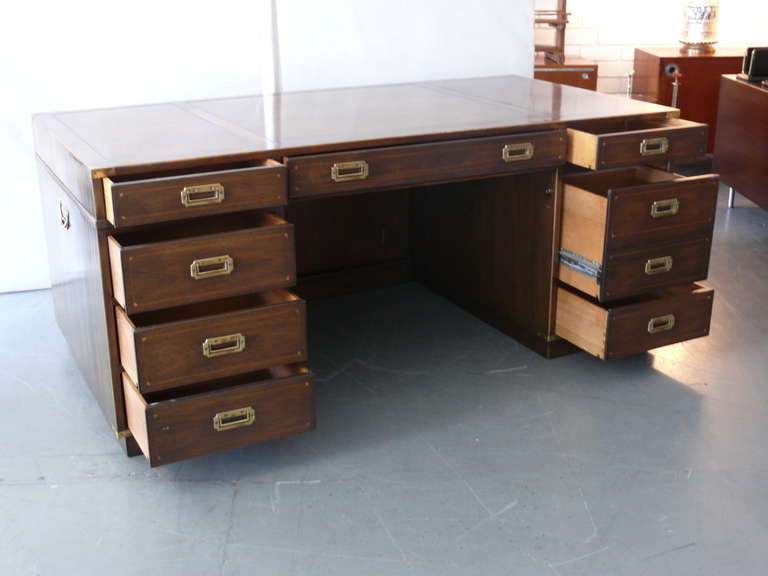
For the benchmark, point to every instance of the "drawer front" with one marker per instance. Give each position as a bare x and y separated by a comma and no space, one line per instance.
180,197
674,315
630,273
682,315
175,354
176,272
662,211
418,164
231,417
660,141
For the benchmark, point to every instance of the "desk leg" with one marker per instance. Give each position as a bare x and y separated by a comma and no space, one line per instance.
731,196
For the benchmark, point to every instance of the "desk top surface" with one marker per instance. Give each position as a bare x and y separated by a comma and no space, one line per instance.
106,140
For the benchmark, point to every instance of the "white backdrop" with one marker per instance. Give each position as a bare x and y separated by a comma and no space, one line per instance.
58,55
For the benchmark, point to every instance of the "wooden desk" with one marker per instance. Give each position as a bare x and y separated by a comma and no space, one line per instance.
741,148
699,81
185,237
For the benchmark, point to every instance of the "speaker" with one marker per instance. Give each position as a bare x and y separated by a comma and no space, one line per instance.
755,67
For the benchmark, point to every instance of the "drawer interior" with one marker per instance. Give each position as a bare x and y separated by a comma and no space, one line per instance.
604,180
618,126
201,171
212,308
201,227
192,390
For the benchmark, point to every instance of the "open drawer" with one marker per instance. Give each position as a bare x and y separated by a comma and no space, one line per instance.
132,202
626,231
190,344
251,409
613,143
201,260
632,327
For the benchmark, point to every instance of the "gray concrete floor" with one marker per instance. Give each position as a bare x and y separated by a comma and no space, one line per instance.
443,447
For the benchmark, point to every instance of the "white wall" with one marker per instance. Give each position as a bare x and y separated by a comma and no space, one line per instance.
58,55
609,31
357,42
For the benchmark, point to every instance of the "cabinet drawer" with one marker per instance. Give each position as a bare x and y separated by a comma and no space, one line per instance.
418,164
171,348
673,315
233,414
615,221
135,202
196,261
635,141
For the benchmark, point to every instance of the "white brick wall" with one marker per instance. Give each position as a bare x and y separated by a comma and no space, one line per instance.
607,31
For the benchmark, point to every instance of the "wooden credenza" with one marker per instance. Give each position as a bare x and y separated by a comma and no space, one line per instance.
699,81
574,71
185,238
741,147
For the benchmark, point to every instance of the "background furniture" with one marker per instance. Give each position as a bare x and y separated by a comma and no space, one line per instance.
573,71
741,148
556,19
184,238
699,80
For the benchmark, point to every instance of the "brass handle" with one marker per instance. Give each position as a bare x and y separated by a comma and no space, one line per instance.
668,207
202,194
64,216
223,345
234,419
346,171
661,323
654,146
515,152
207,267
658,265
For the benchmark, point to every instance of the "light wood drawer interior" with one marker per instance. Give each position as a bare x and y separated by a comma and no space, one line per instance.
614,143
640,219
132,201
632,327
379,168
197,343
201,260
254,408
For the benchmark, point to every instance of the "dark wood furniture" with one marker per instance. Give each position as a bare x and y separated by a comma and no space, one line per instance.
699,80
741,147
184,238
572,71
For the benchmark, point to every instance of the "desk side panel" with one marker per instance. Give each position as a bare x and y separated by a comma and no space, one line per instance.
75,262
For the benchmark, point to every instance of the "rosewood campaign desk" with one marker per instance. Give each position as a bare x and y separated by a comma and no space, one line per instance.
184,237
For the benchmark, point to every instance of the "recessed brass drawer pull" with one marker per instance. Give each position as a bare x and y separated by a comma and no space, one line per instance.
658,265
661,323
202,195
215,266
654,146
223,345
668,207
516,152
346,171
234,419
